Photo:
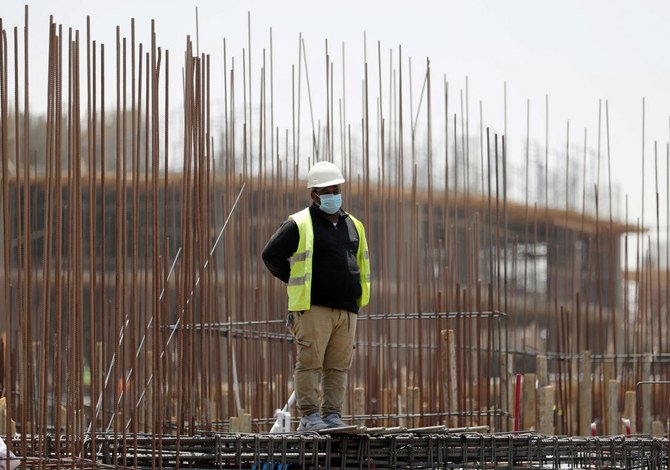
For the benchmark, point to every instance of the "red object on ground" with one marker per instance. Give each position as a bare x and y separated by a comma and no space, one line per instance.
517,402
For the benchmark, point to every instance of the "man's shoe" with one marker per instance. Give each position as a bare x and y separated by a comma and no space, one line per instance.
333,421
312,422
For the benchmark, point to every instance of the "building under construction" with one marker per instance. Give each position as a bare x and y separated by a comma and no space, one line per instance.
140,327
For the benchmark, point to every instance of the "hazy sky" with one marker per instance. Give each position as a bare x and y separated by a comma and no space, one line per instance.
576,51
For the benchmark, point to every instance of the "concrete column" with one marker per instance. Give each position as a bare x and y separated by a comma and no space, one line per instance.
612,408
245,422
542,371
359,405
529,403
449,385
658,429
386,405
573,398
546,411
413,405
402,421
585,389
629,409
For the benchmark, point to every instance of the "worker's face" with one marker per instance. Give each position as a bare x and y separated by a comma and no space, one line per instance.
316,192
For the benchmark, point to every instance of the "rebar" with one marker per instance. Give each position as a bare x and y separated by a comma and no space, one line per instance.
137,314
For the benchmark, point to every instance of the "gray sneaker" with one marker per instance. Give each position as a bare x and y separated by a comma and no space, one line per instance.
312,422
333,420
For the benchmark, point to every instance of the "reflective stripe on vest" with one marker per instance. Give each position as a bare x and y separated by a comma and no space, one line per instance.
299,286
363,258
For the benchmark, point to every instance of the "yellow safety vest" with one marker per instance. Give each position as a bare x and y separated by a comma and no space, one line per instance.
300,281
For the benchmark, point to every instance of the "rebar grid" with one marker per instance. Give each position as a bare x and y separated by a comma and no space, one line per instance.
386,451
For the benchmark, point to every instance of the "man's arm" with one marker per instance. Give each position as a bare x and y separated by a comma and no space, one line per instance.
279,249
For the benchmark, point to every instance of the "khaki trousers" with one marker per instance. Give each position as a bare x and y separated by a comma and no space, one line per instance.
324,339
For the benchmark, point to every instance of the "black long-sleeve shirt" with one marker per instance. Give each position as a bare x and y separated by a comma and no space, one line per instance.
336,279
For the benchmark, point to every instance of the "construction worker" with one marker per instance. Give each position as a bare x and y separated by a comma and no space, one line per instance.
322,255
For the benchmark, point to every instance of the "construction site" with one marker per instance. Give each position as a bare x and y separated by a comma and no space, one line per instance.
139,327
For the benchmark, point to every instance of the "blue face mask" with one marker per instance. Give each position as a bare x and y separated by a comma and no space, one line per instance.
330,203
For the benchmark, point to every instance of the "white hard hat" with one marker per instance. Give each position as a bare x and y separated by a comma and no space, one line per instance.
324,174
